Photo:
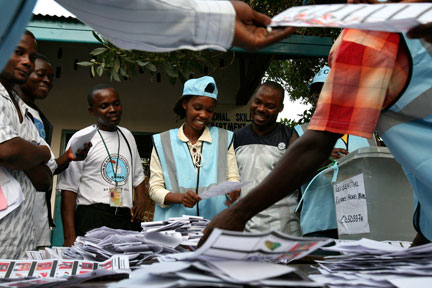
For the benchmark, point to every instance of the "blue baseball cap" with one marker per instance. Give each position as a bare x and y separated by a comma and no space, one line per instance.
204,86
321,76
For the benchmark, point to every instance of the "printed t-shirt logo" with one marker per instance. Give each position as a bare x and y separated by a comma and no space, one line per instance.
108,170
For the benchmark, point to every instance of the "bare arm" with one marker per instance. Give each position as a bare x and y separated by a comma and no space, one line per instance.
68,203
64,160
137,211
189,199
41,177
301,161
19,154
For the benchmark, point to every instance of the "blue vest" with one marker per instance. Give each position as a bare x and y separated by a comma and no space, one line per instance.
180,174
406,128
318,212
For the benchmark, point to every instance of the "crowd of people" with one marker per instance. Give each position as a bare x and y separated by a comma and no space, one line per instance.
377,81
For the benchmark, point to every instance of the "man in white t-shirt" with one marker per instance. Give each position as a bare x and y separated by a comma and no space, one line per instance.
101,186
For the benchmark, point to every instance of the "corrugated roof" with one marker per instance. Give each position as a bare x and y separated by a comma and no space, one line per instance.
51,8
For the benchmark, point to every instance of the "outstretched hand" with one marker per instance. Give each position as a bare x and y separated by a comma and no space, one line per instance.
229,219
251,28
81,154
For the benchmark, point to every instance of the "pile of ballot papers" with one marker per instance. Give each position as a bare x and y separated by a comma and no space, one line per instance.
102,243
157,238
369,263
190,228
228,273
232,259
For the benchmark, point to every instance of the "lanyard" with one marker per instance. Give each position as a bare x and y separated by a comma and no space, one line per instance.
109,155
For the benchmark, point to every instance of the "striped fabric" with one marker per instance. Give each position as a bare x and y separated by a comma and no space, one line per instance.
368,71
16,229
158,25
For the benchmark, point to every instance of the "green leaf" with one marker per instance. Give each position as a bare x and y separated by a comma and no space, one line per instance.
97,37
123,72
151,67
129,59
85,63
116,65
182,77
92,71
142,64
170,70
116,76
98,51
99,70
172,80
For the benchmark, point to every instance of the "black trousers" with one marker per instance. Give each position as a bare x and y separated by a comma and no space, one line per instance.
88,217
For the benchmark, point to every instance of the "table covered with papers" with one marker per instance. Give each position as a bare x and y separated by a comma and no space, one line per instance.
164,254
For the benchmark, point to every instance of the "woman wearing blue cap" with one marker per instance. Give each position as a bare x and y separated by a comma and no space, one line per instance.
188,160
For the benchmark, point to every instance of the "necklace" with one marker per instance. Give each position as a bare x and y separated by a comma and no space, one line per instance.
109,155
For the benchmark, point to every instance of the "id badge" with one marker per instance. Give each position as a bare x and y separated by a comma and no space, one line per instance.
115,197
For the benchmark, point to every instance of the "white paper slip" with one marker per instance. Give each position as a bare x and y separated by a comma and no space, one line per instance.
223,188
394,17
11,195
264,246
80,138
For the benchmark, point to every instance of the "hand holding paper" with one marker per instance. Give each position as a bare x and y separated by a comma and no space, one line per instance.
81,141
222,189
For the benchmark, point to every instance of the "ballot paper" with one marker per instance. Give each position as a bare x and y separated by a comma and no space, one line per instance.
216,274
223,188
267,246
364,246
11,195
375,264
67,281
394,17
188,229
54,268
80,138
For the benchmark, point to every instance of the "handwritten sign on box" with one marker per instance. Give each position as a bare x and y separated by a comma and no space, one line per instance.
351,206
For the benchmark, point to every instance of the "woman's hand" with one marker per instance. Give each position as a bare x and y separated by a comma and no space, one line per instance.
190,198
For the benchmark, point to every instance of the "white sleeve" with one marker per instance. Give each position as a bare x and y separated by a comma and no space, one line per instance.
70,178
52,164
158,25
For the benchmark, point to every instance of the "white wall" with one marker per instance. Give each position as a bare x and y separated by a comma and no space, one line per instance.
147,106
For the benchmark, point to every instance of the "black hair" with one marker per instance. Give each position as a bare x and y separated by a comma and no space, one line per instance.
95,88
27,32
178,107
210,88
274,85
43,57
